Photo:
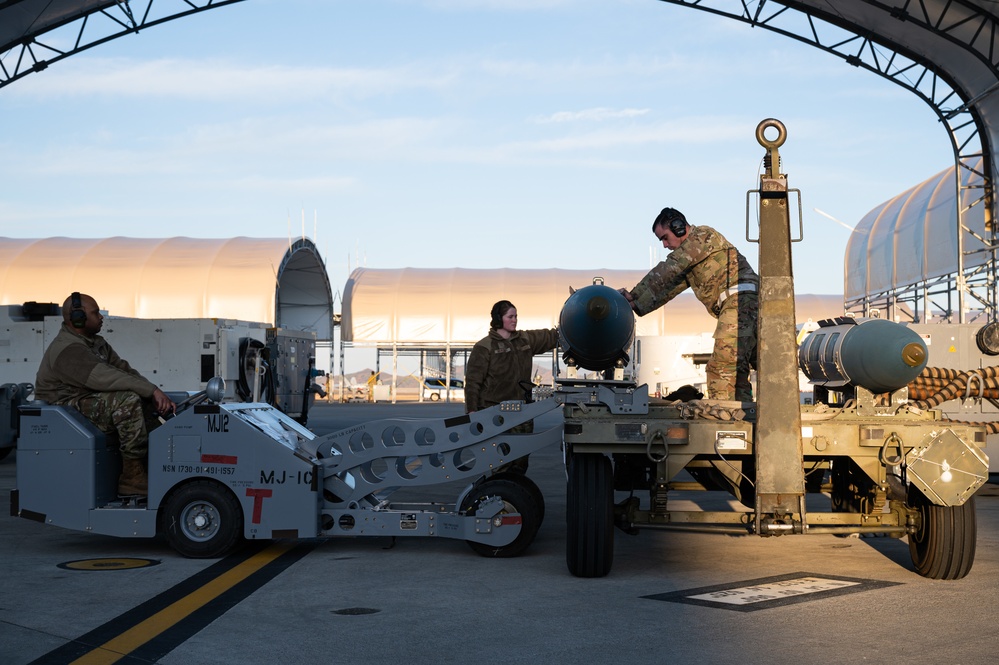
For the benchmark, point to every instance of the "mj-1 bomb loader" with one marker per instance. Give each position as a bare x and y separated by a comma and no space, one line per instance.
220,471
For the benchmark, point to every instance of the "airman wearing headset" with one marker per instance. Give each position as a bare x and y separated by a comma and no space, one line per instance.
500,365
722,279
80,369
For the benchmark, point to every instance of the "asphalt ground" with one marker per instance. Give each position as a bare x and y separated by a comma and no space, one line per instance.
668,599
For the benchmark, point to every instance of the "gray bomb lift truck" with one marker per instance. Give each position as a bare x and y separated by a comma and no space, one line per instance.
886,466
219,471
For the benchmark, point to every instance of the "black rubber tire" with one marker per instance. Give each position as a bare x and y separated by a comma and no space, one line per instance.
517,499
202,520
5,451
590,514
944,546
527,484
435,397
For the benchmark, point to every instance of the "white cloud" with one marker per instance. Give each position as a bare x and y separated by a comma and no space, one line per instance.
218,80
595,114
252,145
566,70
221,80
261,148
691,131
285,186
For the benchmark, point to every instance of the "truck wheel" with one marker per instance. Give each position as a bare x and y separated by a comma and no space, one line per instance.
202,520
5,451
435,397
516,499
590,512
527,484
944,546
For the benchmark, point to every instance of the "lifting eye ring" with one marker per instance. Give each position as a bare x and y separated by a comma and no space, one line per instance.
654,458
767,124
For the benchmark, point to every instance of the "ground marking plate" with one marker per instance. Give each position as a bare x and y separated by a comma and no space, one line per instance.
769,592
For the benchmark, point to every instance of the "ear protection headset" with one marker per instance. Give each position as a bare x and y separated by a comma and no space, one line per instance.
674,220
497,312
77,317
677,222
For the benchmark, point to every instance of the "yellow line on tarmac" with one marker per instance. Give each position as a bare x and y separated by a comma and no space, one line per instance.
115,649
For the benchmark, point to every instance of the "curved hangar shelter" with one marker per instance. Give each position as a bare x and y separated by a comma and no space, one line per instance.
913,239
265,280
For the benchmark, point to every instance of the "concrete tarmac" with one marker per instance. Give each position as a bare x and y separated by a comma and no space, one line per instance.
432,600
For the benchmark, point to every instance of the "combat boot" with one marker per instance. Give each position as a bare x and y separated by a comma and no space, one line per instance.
133,479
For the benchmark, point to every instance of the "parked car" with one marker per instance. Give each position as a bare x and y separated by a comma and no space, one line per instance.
434,389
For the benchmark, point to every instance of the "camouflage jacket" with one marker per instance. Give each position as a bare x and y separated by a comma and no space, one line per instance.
496,366
76,365
705,261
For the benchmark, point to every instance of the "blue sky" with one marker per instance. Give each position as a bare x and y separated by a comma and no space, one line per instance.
454,133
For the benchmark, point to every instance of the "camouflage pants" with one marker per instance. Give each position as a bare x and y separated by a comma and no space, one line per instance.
124,413
734,354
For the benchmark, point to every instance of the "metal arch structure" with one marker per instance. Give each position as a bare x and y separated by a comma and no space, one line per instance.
947,53
34,33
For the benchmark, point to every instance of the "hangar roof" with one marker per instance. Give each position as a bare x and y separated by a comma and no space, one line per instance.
913,237
436,307
266,280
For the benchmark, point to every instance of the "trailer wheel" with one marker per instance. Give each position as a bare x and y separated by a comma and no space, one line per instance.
516,499
590,513
527,484
944,546
202,520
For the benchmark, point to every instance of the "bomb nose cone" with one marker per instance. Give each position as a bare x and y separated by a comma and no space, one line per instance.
598,308
914,354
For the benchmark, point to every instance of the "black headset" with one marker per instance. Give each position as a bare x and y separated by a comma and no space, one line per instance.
675,220
77,316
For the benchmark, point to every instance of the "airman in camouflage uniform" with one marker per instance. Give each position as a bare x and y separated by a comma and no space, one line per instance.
724,282
81,370
501,362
